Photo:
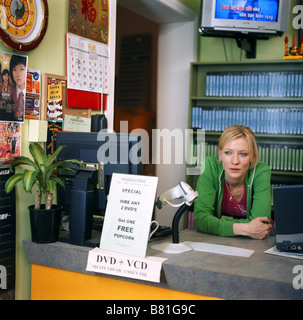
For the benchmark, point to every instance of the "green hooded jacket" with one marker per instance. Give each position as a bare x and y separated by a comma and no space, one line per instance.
210,186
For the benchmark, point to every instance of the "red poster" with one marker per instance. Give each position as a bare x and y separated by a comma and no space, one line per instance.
10,140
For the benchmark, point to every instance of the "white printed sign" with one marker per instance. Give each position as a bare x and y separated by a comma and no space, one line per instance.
77,124
109,262
128,214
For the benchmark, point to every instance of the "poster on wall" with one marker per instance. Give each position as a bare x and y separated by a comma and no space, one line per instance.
10,140
54,100
13,70
33,94
89,19
52,128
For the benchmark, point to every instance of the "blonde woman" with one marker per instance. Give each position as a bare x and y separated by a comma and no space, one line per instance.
234,189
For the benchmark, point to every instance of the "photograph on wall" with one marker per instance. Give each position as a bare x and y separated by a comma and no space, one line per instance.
13,70
10,140
33,94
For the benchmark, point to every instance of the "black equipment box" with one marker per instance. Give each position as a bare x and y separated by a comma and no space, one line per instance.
7,238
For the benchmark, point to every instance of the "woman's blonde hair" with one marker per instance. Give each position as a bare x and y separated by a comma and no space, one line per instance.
238,131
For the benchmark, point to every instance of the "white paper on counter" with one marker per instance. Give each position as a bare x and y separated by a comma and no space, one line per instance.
220,249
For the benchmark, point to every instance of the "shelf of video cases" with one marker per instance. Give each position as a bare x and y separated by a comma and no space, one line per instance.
266,96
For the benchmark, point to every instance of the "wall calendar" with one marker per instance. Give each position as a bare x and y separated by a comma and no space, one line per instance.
87,72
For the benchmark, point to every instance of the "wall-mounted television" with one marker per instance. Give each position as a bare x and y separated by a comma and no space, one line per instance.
244,18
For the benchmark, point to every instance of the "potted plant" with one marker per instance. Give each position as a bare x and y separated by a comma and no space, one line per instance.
45,218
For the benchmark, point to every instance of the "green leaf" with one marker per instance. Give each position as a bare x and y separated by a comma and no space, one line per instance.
53,156
28,179
23,161
57,180
51,186
39,179
12,181
51,169
37,153
43,170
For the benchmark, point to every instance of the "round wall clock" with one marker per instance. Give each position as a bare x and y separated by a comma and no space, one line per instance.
23,23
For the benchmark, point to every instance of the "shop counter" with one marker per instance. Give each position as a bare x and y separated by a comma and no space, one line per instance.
59,272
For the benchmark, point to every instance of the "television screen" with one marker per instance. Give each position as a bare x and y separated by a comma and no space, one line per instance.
257,18
262,10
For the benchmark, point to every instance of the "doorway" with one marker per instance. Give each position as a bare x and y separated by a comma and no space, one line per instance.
136,76
176,48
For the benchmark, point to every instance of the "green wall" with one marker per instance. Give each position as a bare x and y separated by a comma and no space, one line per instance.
49,57
192,4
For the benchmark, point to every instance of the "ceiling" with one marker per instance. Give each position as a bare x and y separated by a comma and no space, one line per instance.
159,11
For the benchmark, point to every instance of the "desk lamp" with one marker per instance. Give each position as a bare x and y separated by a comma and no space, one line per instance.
187,196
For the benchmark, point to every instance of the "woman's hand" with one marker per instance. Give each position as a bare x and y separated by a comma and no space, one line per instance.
258,228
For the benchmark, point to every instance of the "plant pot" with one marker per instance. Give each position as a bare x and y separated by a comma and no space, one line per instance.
45,224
